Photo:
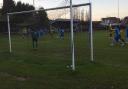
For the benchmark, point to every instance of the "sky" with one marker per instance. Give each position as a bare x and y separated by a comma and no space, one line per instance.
100,8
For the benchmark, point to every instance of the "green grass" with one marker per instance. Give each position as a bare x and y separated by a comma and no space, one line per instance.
45,68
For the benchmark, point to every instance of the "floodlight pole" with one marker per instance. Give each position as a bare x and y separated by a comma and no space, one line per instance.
118,8
34,3
9,34
91,34
72,36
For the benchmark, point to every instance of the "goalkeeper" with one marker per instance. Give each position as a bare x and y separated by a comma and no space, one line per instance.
35,36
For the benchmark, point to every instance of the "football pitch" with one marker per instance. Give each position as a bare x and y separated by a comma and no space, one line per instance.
48,66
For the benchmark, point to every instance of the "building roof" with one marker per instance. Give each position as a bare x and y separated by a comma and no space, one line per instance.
111,18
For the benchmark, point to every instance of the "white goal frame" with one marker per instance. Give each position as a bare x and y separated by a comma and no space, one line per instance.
71,21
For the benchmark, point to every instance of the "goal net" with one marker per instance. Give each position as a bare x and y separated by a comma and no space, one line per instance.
57,33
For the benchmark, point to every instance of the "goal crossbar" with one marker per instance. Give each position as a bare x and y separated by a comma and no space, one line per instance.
48,9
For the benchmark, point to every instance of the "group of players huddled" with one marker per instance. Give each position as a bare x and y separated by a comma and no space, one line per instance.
118,34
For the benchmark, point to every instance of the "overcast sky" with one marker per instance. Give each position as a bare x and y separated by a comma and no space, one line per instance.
101,8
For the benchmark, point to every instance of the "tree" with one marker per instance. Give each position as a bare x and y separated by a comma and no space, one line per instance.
22,7
42,18
76,12
8,6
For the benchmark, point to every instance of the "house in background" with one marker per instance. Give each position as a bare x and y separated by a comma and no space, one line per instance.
79,26
110,20
65,24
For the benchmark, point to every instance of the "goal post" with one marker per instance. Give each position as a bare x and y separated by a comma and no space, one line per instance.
71,27
9,34
91,34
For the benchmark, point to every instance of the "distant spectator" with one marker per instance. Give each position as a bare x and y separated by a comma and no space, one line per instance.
24,32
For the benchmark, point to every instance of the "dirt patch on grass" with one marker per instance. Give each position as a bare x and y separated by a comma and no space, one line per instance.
19,78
